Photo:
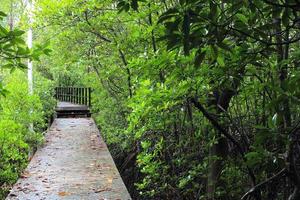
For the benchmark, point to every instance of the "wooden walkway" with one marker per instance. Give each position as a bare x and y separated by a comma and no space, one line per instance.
66,109
73,164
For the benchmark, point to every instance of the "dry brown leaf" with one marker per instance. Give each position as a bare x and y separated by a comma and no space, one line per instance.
25,174
63,193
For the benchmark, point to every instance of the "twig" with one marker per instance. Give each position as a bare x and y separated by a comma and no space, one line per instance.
260,185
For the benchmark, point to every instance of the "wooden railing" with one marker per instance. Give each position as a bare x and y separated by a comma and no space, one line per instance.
76,95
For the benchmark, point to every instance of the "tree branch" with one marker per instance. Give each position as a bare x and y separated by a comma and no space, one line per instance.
257,187
93,29
216,124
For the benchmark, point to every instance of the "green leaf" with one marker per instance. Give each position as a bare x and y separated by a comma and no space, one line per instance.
47,52
19,40
253,158
22,51
3,31
214,51
224,46
167,15
8,66
22,66
18,32
242,18
2,14
220,60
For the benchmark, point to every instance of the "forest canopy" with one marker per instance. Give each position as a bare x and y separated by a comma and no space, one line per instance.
196,99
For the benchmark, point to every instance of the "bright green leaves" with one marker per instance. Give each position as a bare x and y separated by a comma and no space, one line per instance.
153,101
220,60
18,105
151,165
40,50
3,91
213,47
17,32
18,111
12,48
2,15
241,25
13,151
190,177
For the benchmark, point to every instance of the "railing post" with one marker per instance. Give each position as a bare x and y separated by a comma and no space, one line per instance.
69,94
74,95
65,93
85,96
90,100
81,96
77,95
65,96
72,100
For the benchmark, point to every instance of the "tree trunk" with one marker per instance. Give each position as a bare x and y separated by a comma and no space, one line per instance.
220,149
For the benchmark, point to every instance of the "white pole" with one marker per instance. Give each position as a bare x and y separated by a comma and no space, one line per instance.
30,7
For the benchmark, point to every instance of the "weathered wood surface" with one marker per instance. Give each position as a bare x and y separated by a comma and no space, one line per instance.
74,164
66,110
61,106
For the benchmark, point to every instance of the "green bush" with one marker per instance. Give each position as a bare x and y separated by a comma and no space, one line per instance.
19,111
13,151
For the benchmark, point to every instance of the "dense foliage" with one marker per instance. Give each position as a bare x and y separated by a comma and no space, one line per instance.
19,111
197,99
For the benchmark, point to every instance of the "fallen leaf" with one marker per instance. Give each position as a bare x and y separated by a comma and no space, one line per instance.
25,174
102,190
63,193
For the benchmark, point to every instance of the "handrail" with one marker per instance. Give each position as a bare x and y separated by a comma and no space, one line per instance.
76,95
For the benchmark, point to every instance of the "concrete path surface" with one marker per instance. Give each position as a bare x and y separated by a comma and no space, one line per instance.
70,106
73,164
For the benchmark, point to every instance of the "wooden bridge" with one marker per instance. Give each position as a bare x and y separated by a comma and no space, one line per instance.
74,163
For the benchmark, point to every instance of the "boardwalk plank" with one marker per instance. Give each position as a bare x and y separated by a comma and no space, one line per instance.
73,164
